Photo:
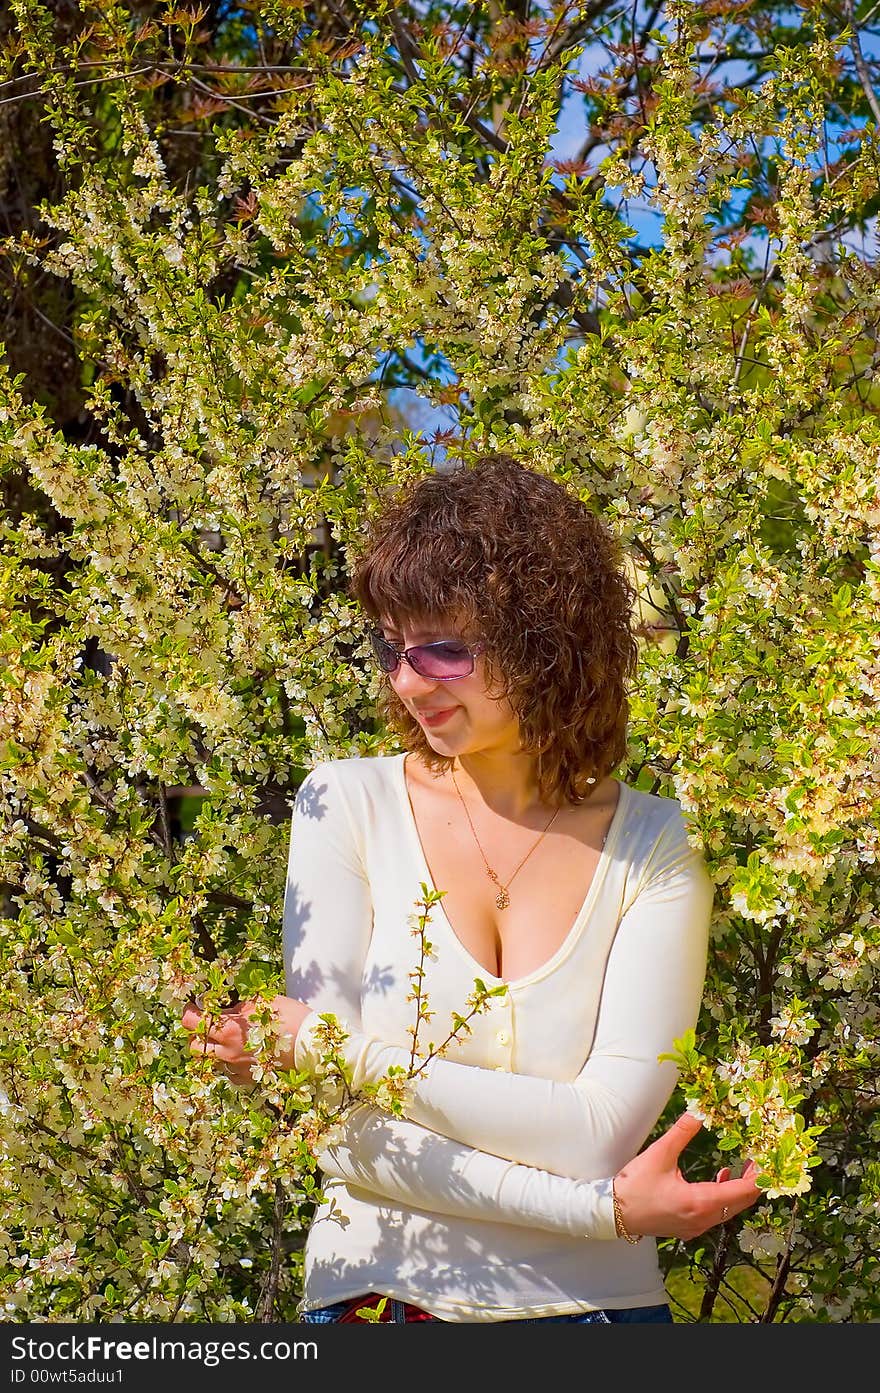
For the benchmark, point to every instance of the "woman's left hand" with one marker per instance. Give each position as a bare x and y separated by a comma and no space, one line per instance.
226,1040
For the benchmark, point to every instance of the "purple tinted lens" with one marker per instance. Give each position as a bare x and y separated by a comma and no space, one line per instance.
386,653
442,660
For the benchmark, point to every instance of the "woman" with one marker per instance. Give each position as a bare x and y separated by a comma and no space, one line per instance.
512,1188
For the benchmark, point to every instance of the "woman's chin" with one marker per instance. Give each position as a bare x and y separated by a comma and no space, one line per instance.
443,744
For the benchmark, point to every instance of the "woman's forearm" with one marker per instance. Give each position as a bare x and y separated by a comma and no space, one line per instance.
412,1166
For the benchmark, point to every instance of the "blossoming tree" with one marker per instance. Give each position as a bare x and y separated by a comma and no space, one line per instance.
387,211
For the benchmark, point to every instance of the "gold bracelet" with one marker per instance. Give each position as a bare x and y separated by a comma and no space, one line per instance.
620,1226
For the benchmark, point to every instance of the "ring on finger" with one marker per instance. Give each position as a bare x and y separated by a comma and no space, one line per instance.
724,1213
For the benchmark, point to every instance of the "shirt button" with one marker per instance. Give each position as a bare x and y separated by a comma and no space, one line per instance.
503,1037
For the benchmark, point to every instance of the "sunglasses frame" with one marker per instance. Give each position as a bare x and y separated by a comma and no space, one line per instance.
403,654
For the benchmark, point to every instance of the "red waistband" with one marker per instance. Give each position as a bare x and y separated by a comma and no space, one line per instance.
357,1303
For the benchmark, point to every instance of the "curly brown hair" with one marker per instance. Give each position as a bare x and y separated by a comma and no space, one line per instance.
526,566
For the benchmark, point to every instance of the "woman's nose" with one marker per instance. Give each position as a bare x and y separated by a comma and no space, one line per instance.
407,682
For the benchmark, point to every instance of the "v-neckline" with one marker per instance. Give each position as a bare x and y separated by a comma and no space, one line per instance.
568,941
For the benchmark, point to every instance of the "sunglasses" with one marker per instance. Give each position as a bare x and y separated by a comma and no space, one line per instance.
441,662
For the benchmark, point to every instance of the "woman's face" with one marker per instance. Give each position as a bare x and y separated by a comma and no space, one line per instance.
462,715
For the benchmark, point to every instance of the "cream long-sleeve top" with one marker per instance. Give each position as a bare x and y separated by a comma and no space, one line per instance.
491,1199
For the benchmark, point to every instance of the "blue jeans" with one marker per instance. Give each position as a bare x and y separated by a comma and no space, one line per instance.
629,1315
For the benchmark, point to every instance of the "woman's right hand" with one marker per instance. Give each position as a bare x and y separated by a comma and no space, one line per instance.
654,1197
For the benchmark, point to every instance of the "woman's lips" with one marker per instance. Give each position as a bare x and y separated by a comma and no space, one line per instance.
435,718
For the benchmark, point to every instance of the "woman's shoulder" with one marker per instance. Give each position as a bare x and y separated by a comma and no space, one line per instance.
656,820
376,774
655,808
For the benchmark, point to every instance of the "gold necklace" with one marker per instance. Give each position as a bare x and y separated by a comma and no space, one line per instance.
502,899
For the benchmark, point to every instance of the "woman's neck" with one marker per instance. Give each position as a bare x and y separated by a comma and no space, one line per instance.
506,783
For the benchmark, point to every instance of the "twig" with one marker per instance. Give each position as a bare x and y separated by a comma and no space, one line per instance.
266,1304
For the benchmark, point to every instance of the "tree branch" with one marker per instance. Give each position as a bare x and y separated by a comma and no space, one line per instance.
861,66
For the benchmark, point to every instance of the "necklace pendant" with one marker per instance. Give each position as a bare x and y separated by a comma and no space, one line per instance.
502,899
